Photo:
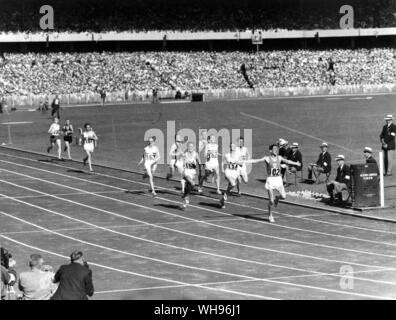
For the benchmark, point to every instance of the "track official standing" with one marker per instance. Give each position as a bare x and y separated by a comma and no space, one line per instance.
55,107
387,137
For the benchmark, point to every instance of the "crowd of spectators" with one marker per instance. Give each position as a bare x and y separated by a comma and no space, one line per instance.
72,281
66,73
193,15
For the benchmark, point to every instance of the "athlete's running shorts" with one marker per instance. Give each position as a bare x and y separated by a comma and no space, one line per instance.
231,176
275,183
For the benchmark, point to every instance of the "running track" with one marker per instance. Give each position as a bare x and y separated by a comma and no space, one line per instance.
141,247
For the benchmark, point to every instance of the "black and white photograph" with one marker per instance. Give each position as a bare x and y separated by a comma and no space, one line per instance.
208,151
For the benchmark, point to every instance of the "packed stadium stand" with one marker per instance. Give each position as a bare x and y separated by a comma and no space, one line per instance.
42,73
194,15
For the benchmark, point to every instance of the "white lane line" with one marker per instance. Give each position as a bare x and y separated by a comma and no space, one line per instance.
210,210
245,281
207,270
64,194
343,226
20,122
128,226
142,275
295,131
198,221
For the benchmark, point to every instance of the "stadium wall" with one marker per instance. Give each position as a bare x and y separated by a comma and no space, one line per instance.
22,37
32,100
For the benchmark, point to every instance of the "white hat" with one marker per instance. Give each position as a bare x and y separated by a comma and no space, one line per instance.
324,144
294,145
282,142
368,149
389,117
340,157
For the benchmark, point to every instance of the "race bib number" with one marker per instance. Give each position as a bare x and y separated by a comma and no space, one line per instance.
211,155
232,166
275,172
190,165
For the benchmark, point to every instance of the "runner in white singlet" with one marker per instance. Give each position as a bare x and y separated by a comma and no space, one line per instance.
232,162
274,177
150,158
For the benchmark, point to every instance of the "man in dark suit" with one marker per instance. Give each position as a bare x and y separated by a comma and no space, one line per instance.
55,107
75,279
342,181
387,138
295,156
322,165
368,154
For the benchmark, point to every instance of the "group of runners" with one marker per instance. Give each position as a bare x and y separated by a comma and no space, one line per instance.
86,138
197,166
193,166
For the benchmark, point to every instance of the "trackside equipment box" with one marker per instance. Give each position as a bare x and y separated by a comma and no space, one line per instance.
365,185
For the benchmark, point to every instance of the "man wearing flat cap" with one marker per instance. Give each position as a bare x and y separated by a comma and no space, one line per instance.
342,180
284,151
322,165
75,279
387,138
295,156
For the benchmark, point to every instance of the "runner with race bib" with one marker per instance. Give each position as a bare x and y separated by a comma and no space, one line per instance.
274,177
232,162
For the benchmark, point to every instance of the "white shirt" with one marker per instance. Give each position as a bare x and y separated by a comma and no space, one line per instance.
54,129
151,153
212,152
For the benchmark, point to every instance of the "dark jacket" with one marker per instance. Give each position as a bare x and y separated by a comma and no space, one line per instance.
371,160
324,161
285,152
344,175
388,135
296,157
75,282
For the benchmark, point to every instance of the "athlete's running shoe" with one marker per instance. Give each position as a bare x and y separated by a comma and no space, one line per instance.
154,193
218,192
271,219
85,161
145,176
199,190
222,203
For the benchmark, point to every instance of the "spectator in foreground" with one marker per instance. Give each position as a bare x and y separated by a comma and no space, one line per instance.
37,284
342,180
75,279
8,275
387,137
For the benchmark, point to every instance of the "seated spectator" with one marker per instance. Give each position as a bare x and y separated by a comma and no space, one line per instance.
342,180
37,284
368,154
284,151
295,156
75,279
322,165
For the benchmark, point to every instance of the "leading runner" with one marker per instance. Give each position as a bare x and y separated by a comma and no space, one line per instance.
274,177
